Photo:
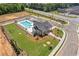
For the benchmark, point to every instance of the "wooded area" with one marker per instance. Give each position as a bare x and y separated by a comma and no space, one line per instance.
11,8
17,7
50,6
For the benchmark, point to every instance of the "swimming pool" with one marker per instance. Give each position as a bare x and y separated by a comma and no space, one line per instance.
26,24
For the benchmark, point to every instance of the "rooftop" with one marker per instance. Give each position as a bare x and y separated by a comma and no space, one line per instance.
41,28
43,25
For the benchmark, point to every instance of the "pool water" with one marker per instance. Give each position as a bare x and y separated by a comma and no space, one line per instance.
26,24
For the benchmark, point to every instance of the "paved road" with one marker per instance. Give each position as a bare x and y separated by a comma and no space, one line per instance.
70,48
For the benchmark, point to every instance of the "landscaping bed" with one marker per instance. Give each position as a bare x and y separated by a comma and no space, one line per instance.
57,32
34,46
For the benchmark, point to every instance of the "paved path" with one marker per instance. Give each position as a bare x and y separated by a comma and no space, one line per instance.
78,41
55,36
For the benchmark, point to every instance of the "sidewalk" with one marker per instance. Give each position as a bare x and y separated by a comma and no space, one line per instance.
55,36
78,41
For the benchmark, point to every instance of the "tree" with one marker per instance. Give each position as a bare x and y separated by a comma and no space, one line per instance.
50,6
10,8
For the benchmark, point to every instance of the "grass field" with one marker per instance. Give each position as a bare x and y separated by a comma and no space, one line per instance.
27,42
57,32
71,16
55,12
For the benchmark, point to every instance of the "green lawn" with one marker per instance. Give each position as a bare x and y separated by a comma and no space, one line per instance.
57,32
55,12
28,44
70,16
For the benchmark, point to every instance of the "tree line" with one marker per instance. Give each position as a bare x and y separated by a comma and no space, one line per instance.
11,8
17,7
50,6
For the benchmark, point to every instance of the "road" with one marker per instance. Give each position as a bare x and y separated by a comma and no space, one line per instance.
70,47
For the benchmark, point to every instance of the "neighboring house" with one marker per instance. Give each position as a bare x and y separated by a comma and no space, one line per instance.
61,10
71,10
41,28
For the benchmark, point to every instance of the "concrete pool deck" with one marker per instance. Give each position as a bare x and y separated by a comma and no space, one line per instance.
26,24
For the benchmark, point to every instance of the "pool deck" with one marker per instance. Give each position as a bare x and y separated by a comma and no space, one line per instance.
29,24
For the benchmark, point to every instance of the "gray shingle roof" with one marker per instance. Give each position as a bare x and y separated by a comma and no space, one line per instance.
41,28
43,25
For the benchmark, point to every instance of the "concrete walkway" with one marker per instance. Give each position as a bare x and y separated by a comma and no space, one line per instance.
55,36
78,41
